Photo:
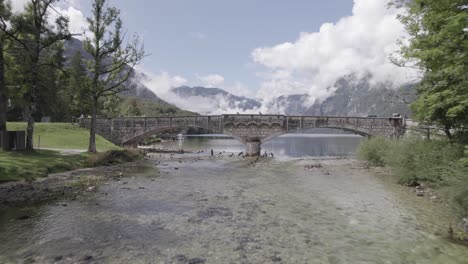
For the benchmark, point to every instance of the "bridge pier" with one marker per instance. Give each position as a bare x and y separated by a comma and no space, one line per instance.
253,148
251,130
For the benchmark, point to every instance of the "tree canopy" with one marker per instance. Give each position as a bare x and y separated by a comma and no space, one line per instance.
438,44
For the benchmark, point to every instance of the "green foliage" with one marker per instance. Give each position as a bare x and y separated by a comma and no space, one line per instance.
63,136
374,151
434,162
464,161
76,93
111,106
438,45
437,163
112,61
131,108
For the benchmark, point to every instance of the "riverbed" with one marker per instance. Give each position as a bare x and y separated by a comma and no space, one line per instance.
195,208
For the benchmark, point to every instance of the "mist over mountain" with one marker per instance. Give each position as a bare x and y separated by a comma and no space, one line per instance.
359,97
217,96
351,97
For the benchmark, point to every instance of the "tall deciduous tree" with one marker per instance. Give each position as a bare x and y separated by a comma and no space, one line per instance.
112,62
438,45
5,12
36,36
77,91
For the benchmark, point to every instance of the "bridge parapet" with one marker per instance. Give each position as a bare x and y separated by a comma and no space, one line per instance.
252,130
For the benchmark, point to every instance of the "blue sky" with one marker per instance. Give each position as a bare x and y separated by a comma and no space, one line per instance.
217,37
258,48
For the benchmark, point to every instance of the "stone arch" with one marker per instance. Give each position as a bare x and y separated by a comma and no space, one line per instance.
133,140
361,132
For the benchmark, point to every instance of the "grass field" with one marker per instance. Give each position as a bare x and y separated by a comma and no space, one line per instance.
63,136
28,165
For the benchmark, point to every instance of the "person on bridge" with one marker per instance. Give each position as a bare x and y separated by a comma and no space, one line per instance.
212,153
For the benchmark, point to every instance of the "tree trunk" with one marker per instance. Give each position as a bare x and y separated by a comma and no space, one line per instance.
32,107
3,98
447,131
92,130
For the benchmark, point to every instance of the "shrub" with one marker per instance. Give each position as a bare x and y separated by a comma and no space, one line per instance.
374,151
414,161
113,157
434,162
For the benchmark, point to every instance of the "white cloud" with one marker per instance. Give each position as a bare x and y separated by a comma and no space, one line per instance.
240,89
197,35
18,5
358,44
212,80
77,21
162,83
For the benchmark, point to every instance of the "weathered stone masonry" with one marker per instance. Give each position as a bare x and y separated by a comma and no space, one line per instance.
251,130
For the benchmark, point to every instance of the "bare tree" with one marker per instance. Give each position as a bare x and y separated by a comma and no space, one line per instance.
35,36
112,61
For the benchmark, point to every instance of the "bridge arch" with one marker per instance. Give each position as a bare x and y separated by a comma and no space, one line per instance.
363,133
252,130
133,140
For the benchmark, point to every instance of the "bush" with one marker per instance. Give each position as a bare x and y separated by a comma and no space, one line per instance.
374,151
414,161
434,162
464,161
113,157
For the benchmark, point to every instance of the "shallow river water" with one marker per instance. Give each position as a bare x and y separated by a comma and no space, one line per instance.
293,208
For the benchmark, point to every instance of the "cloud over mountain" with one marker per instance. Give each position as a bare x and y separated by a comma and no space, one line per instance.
359,44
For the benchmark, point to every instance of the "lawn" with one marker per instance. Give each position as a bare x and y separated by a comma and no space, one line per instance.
63,136
28,165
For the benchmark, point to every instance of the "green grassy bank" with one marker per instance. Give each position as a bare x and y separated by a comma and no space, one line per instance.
63,136
439,164
29,165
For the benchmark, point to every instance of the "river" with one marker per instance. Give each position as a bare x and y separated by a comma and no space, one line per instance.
311,203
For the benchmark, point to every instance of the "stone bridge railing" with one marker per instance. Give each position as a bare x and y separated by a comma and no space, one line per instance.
249,129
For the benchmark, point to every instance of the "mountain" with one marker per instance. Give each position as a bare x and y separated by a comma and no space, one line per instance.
358,97
218,97
294,104
135,88
351,97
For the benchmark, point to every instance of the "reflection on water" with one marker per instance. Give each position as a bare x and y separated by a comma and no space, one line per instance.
286,146
198,209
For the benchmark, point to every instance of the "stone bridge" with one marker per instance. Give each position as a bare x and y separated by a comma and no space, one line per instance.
251,130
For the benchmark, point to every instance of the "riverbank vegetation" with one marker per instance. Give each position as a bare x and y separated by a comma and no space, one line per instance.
31,165
438,164
437,47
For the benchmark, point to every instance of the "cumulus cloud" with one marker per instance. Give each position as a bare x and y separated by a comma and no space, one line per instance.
359,44
77,20
212,80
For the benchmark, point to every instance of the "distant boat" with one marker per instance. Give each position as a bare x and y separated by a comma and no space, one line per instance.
180,137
